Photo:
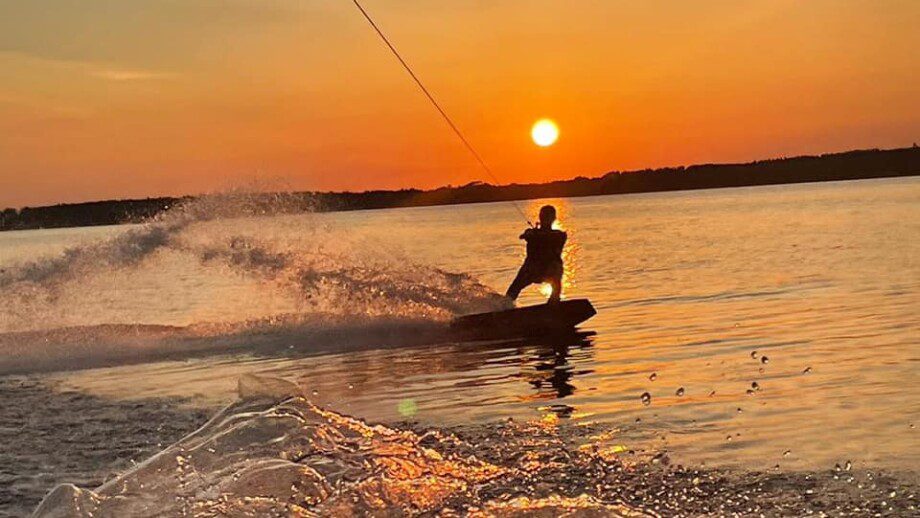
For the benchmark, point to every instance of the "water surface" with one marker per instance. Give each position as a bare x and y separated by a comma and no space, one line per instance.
769,325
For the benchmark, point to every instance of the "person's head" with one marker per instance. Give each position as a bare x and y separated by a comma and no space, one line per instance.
547,216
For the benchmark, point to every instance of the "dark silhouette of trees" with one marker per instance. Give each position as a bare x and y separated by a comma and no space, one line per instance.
851,165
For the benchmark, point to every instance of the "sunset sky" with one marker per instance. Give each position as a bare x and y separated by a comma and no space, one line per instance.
136,98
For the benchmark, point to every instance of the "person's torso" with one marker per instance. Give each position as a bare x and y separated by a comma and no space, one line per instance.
545,246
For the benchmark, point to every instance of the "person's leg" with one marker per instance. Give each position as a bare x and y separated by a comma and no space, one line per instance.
521,281
555,281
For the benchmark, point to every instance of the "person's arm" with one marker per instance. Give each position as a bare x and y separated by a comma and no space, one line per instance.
526,235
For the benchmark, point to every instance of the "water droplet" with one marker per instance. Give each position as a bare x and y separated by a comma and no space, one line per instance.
739,410
753,355
847,466
638,419
315,392
750,392
728,438
765,360
911,426
755,386
760,370
646,398
807,370
680,392
351,386
653,376
786,453
713,393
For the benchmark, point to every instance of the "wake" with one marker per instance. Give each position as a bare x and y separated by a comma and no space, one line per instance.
217,275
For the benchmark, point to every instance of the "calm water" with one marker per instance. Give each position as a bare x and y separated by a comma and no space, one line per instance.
811,292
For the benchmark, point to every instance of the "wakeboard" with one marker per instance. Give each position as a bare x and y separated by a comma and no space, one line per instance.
556,317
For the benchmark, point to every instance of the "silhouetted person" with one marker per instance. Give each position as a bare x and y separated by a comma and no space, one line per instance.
544,256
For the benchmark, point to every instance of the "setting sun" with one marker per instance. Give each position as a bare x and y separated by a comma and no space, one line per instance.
544,132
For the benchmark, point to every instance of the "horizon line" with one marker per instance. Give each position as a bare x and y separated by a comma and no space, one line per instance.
451,186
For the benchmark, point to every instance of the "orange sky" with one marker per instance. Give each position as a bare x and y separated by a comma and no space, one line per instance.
102,99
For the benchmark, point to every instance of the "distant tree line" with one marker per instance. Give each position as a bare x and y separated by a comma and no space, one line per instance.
850,165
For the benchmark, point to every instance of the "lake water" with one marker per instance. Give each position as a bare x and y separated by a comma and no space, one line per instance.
769,325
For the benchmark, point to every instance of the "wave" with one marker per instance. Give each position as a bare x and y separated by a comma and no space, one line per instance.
72,348
275,453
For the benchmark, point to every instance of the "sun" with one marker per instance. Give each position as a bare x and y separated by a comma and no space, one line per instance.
544,132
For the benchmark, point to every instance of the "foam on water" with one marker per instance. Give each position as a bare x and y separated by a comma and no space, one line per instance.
261,286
